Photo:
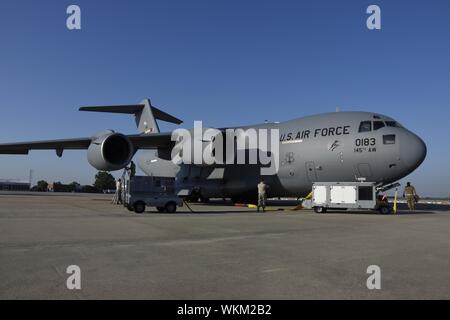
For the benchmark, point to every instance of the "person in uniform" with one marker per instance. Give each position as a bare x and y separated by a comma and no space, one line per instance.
119,191
410,195
262,195
132,170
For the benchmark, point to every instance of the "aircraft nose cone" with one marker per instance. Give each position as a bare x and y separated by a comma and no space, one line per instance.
413,151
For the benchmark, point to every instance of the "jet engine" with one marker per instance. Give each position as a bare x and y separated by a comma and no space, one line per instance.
110,151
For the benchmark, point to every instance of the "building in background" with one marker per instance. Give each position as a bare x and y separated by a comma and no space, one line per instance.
14,185
60,187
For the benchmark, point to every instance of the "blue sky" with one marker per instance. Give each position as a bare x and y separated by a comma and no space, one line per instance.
224,62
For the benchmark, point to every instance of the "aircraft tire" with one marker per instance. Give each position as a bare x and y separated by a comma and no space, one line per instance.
204,200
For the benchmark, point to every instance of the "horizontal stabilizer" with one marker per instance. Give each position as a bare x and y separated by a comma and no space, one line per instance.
161,115
126,108
146,114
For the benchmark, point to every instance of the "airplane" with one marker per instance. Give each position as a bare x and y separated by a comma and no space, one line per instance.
329,147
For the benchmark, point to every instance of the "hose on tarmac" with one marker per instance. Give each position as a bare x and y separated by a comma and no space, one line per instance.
192,211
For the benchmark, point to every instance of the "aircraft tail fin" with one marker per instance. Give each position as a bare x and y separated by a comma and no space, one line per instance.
145,115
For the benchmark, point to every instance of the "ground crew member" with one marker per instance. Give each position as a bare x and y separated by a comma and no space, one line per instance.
132,169
262,189
115,198
119,192
410,194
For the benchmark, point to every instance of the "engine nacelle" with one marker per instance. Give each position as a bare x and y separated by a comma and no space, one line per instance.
110,151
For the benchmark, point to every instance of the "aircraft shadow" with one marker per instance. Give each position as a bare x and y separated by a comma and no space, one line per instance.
423,207
402,209
202,208
221,212
373,212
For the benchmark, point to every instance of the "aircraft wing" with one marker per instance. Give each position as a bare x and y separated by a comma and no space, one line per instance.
25,147
153,141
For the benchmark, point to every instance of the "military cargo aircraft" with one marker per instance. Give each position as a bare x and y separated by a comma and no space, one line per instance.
329,147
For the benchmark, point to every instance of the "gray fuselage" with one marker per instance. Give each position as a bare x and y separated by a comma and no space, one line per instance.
340,146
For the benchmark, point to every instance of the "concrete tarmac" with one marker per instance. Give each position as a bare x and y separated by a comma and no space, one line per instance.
218,252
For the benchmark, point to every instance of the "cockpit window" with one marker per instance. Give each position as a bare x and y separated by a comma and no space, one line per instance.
365,126
389,139
393,124
378,125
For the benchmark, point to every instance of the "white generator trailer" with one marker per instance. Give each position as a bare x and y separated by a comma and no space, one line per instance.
347,195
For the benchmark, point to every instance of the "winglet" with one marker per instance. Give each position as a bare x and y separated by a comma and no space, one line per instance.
145,115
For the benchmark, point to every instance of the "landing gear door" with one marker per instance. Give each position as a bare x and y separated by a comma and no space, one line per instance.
311,171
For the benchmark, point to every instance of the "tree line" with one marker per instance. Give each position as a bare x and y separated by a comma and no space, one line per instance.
103,181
